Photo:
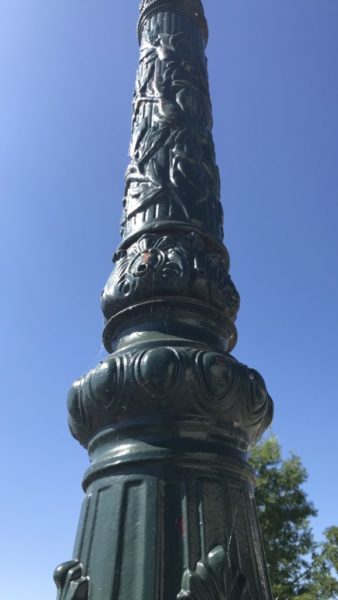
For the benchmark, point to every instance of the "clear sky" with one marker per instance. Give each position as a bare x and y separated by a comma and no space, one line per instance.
67,70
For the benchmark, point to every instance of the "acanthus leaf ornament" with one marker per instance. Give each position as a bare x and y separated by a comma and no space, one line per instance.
71,582
213,579
207,581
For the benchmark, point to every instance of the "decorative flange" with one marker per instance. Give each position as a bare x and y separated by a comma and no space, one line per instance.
171,380
170,265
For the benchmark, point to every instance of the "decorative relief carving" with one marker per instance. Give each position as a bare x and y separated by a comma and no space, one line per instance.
158,370
192,8
172,175
173,380
216,375
71,582
170,265
207,582
214,580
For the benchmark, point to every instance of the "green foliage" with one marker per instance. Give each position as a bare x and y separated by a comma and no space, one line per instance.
299,567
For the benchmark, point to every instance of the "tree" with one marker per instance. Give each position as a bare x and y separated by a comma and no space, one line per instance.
299,567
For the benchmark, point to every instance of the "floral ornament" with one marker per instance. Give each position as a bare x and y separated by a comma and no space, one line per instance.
151,267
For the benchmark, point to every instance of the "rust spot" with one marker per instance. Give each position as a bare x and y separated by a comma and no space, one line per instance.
146,255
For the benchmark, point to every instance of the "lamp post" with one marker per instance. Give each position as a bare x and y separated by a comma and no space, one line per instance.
169,415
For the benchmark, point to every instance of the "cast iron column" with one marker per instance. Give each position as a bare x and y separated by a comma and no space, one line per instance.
169,415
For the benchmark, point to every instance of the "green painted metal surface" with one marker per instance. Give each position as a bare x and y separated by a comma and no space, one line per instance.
169,416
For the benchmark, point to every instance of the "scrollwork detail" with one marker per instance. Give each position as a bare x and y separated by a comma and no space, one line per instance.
170,265
152,266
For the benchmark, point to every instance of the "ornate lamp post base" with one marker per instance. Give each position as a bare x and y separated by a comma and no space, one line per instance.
169,513
168,417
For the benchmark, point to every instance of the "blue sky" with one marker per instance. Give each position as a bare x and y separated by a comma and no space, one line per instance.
67,70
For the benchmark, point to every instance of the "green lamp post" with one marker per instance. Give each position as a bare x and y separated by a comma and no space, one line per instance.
169,415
